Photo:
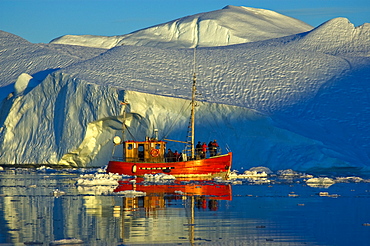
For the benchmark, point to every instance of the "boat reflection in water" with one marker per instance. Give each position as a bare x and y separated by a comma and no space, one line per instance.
165,213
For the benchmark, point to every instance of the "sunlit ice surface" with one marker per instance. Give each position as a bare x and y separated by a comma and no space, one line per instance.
89,207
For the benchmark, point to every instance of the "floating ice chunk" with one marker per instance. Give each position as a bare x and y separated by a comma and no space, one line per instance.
261,170
324,193
131,193
259,180
236,182
58,193
67,241
349,180
180,192
218,179
320,182
94,182
258,172
96,190
288,173
102,170
105,179
159,177
42,168
292,194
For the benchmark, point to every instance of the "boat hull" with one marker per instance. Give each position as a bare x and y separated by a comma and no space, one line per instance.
216,166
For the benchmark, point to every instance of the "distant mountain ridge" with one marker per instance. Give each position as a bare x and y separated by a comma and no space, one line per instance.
230,25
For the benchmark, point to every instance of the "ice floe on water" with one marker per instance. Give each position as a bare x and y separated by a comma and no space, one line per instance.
159,177
250,175
98,179
71,241
257,175
324,182
291,174
96,190
259,172
325,193
57,193
350,180
106,183
131,193
263,175
98,183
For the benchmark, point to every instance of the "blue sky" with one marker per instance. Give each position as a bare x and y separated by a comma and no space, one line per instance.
40,21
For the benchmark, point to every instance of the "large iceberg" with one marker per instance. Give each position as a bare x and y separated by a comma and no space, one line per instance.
296,102
227,26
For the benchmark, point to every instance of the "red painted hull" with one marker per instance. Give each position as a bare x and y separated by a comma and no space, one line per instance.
217,166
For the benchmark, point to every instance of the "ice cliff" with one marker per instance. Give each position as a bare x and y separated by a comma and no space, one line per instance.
298,102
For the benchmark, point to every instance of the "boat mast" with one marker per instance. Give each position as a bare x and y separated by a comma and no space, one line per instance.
193,109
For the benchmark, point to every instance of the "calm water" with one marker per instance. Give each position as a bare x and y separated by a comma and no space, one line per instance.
284,212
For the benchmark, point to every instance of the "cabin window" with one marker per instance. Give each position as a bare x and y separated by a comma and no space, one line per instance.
157,146
141,147
129,146
141,152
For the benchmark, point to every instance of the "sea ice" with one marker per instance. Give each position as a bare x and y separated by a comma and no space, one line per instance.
99,179
320,182
70,241
159,177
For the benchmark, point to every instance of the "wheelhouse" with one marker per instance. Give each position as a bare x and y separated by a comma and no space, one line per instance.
144,151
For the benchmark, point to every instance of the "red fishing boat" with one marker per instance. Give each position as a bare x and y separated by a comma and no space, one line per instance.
150,156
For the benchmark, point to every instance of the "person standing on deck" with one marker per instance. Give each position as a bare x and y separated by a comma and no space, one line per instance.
198,148
169,156
176,156
210,149
204,150
215,147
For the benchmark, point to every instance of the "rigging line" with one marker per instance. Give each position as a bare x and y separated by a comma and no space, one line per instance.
215,122
182,108
133,138
176,120
203,97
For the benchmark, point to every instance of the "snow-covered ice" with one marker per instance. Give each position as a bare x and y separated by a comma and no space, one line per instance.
227,26
159,177
131,193
69,241
99,179
320,182
296,102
